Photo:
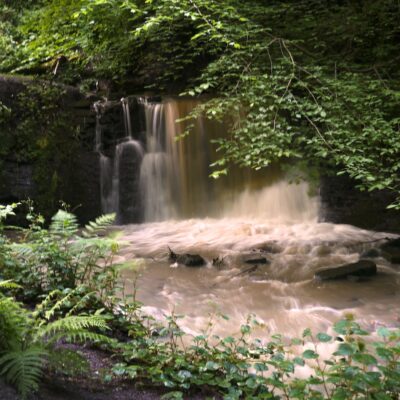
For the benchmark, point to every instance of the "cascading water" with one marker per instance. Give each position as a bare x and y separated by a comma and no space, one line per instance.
155,171
242,214
175,183
119,177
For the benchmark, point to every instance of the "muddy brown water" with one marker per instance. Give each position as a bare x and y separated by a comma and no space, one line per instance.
282,294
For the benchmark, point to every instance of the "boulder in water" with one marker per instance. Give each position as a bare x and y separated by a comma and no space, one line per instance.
361,269
190,260
371,253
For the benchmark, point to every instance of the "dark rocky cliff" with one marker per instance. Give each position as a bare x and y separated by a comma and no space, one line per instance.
46,147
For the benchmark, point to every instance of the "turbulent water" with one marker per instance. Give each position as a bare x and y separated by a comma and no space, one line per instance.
242,215
282,293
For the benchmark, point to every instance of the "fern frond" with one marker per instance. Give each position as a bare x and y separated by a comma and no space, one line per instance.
46,303
14,321
22,250
80,336
64,224
92,244
99,225
58,305
9,284
70,324
23,368
82,302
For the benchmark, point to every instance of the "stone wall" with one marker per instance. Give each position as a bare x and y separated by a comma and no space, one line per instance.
77,175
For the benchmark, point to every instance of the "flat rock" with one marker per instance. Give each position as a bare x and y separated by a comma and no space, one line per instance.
256,259
361,268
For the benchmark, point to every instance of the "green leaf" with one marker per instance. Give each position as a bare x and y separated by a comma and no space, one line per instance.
323,337
310,354
345,349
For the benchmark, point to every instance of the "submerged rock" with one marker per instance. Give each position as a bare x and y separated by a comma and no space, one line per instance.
255,259
361,269
190,260
218,262
269,247
371,253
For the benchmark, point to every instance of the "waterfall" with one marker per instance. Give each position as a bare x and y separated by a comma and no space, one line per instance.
127,117
119,172
155,176
155,171
98,110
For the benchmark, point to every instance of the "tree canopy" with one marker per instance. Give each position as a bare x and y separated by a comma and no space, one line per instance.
295,80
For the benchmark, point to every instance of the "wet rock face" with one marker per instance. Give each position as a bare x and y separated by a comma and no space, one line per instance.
81,187
129,194
67,157
359,269
17,182
391,251
342,203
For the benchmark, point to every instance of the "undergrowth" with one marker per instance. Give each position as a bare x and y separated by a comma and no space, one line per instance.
69,276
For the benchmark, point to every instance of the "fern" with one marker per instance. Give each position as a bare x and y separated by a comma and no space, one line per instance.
80,336
23,368
9,284
64,224
26,341
99,225
14,321
71,324
22,250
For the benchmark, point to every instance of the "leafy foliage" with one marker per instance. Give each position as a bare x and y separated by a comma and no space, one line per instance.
233,367
244,367
58,257
294,80
27,341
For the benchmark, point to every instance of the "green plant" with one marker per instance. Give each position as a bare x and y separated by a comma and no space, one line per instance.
28,342
243,367
61,257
